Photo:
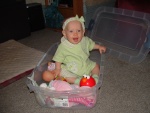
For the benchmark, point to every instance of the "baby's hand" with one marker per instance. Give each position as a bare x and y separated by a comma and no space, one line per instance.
57,72
102,49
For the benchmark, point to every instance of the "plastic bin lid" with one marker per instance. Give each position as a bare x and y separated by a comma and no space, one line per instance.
125,33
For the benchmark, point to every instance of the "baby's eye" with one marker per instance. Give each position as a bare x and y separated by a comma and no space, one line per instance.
79,30
71,31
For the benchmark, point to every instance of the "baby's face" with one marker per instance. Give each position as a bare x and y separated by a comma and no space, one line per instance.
73,32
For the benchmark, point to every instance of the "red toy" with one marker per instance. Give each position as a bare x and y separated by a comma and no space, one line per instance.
87,81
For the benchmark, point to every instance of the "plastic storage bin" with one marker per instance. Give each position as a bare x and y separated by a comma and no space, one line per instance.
77,98
125,33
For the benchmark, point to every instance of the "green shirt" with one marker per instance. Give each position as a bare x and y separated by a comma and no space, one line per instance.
75,57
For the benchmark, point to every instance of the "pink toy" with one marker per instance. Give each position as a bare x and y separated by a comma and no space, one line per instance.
60,85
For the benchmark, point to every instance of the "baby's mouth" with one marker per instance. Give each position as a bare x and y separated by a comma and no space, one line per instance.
75,39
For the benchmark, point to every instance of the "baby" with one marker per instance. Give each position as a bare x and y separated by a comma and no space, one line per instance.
72,55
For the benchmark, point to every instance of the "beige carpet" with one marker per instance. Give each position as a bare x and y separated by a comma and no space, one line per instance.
16,58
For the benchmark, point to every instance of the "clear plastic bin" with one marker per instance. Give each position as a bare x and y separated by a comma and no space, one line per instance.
78,98
125,33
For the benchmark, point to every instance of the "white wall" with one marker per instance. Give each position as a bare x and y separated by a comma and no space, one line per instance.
36,1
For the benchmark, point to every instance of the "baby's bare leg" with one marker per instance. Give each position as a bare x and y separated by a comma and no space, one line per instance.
70,80
73,80
70,77
96,72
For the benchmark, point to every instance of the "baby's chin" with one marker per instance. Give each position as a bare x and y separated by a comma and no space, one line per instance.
75,42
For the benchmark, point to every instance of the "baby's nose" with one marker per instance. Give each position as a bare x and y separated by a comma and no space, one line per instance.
75,33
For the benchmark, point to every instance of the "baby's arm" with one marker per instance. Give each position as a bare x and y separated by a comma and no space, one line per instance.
57,68
101,48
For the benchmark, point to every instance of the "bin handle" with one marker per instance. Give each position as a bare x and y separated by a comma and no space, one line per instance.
147,43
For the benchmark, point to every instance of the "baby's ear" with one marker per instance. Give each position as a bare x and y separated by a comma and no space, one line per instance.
64,33
83,32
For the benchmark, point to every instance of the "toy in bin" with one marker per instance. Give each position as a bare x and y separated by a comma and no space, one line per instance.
59,84
87,81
